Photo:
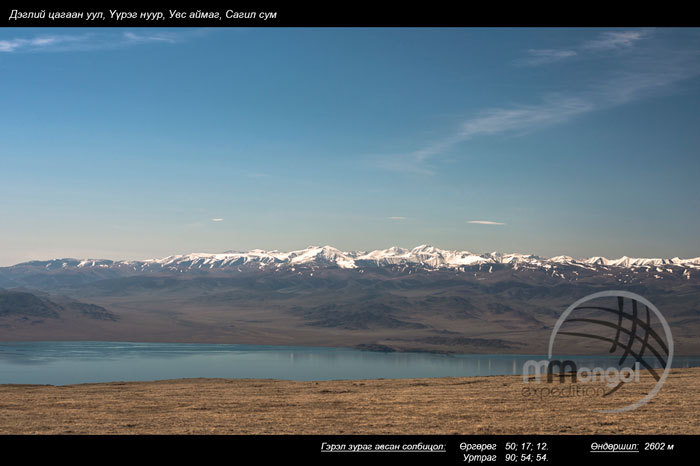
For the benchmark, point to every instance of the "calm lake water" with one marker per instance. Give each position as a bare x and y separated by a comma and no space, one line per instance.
61,363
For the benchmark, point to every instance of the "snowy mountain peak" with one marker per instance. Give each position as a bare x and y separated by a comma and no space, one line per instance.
422,257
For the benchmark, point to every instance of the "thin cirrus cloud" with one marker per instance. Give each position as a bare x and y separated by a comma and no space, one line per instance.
544,56
169,38
396,218
485,222
606,41
217,219
92,41
552,110
636,77
35,43
616,39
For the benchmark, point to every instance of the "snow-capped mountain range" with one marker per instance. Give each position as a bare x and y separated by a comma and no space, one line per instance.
423,257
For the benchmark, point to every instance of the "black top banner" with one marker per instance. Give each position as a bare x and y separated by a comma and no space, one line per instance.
335,15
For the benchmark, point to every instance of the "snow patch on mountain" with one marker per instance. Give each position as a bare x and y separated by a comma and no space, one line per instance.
424,256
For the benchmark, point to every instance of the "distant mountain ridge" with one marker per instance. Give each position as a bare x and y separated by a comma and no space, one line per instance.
419,299
422,257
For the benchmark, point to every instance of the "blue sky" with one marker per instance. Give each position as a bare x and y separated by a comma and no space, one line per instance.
130,143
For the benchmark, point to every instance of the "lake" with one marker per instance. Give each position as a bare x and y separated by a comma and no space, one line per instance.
62,363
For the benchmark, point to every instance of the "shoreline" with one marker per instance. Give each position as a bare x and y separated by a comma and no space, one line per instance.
360,347
451,405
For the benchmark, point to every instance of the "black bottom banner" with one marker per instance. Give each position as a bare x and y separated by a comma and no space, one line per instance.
369,449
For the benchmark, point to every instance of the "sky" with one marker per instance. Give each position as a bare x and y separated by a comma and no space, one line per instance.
141,143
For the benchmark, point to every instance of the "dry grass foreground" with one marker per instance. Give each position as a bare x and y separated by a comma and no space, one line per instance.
475,405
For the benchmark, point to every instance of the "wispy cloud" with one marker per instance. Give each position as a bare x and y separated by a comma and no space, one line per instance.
34,43
217,219
606,41
543,56
636,77
169,38
93,41
485,222
552,110
616,39
396,218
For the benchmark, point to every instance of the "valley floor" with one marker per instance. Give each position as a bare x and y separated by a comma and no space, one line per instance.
474,405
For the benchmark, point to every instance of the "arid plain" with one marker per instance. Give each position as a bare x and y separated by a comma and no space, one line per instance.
473,405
